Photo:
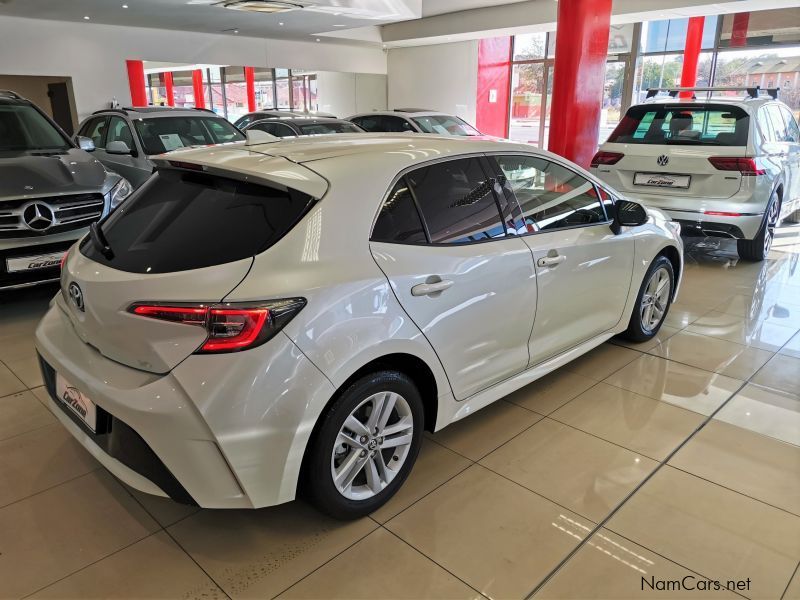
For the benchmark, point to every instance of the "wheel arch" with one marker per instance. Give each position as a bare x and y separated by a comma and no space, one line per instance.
674,257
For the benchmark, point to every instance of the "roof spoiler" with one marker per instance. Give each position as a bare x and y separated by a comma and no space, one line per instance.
256,136
752,91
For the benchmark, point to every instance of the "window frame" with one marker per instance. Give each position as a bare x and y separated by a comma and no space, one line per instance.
134,150
609,220
85,129
481,156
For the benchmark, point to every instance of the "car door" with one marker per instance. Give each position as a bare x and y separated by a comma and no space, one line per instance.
128,165
467,284
583,270
792,135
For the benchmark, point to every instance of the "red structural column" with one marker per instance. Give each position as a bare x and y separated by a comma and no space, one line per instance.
494,74
250,83
199,89
741,21
169,87
136,81
579,78
691,53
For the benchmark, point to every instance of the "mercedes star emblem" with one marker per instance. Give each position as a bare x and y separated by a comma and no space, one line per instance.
76,295
38,216
663,160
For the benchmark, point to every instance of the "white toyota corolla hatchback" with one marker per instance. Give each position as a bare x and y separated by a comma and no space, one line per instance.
263,318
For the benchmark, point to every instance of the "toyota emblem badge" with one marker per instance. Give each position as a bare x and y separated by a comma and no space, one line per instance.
76,295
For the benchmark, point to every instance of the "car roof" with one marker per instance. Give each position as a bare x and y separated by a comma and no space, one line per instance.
403,112
418,147
301,120
158,111
748,104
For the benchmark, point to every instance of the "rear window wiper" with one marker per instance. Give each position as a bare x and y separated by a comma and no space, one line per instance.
100,242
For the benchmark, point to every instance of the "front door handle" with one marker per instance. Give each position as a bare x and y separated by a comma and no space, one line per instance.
429,289
551,261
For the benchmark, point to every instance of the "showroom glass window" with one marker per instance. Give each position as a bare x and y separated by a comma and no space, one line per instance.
551,196
457,201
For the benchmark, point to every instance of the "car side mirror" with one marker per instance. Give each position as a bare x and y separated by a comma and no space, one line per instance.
628,214
117,147
85,143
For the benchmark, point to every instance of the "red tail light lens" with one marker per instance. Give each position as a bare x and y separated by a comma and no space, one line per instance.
63,260
230,327
606,158
745,166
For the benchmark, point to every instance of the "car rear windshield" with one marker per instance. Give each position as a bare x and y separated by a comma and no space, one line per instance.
444,125
25,129
181,220
162,134
682,124
332,127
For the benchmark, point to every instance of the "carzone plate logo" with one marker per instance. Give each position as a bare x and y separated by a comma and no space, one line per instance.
74,399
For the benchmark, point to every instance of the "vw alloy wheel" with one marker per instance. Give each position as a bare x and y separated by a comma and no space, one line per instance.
372,446
655,299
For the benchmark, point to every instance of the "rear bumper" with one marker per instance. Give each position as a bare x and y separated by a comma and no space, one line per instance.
216,432
745,226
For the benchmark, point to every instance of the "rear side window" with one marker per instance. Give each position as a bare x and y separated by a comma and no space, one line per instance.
184,220
399,221
683,124
332,127
379,123
551,196
457,202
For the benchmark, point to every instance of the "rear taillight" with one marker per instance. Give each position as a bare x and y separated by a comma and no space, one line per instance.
64,260
606,158
230,327
745,166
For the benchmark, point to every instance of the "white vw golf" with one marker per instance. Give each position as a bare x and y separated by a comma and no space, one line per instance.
260,319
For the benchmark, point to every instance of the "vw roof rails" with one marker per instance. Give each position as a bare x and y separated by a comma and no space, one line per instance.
10,94
752,91
120,111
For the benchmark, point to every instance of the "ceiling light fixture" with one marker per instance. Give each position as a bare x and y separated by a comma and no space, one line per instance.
340,25
262,6
124,6
317,39
86,18
281,24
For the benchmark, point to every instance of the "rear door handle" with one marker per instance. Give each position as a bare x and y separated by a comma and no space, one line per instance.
551,261
428,289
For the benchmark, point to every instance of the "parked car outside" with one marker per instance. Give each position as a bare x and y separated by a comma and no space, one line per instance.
329,299
297,126
245,120
126,138
413,120
51,190
720,166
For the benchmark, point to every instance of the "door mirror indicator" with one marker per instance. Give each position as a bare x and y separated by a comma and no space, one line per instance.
85,143
628,214
117,147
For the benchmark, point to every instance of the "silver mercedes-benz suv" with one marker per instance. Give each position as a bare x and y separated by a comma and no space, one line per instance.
51,190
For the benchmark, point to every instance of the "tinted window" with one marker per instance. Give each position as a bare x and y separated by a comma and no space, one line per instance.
119,131
23,128
242,122
683,124
162,134
551,196
332,127
184,220
95,129
457,202
378,123
276,129
399,220
444,125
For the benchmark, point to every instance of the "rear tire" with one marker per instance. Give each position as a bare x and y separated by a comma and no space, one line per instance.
653,301
365,445
758,248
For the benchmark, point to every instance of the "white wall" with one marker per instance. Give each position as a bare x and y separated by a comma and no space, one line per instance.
441,77
345,94
94,55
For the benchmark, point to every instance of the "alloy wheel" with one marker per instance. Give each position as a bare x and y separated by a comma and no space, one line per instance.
372,446
655,299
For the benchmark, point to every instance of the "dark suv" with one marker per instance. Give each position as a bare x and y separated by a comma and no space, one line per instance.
51,190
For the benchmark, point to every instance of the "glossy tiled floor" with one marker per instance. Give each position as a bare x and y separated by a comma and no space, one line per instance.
636,463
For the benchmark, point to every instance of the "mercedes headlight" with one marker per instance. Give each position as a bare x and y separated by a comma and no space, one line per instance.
119,192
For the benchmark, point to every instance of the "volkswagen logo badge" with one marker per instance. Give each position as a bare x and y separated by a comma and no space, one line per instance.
38,216
663,160
76,295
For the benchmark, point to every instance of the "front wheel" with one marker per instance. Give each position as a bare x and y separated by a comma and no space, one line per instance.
365,445
758,248
653,301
